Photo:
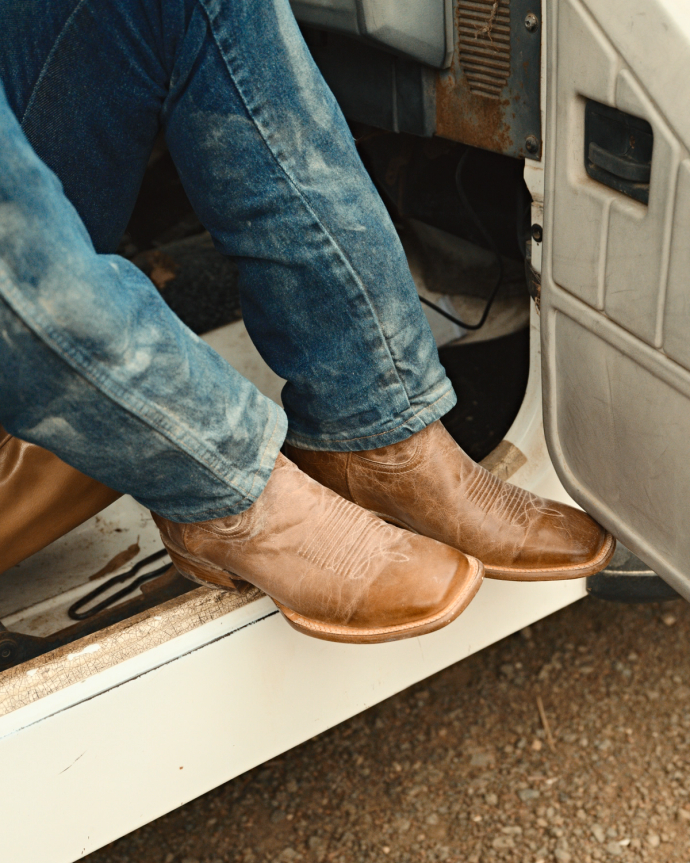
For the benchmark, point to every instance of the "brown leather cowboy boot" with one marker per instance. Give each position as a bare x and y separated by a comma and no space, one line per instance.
334,570
429,485
41,499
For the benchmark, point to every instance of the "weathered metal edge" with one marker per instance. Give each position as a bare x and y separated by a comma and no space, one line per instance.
75,662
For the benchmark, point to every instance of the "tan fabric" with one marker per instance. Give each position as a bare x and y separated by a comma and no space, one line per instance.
428,484
334,570
41,498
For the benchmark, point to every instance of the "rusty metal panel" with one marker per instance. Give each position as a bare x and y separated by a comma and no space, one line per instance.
489,97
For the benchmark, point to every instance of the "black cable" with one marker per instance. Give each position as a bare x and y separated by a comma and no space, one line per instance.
75,610
489,240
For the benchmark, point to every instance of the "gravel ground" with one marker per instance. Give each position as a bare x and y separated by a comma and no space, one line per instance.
461,767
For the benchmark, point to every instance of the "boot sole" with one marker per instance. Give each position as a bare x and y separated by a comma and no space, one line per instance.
380,635
553,573
222,580
558,573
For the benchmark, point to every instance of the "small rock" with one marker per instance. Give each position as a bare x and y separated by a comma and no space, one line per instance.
537,745
481,759
527,633
526,794
432,819
507,670
501,842
598,832
653,840
386,849
277,815
614,849
668,619
492,800
562,855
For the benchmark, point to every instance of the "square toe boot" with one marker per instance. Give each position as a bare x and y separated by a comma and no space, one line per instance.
334,570
427,484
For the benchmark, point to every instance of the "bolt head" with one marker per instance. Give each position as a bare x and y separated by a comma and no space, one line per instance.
531,22
537,233
532,144
5,652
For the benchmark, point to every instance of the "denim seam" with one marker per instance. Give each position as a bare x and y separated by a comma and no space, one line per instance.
306,202
250,493
73,356
419,414
49,59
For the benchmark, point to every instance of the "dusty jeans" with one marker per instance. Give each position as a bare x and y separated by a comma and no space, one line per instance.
93,365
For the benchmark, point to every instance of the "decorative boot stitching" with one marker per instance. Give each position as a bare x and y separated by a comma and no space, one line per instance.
344,540
506,502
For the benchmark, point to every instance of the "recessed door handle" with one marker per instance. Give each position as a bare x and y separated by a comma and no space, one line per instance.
619,166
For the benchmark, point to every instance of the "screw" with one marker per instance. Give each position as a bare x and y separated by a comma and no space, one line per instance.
537,233
5,652
531,22
532,144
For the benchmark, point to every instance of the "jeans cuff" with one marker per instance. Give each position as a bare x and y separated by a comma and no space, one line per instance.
254,478
424,411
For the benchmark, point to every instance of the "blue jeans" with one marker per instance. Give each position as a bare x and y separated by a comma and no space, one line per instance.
93,365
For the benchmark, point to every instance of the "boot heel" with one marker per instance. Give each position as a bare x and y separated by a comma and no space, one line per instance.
209,576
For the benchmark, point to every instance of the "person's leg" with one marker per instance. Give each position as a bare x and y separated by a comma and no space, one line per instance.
330,302
93,362
95,367
272,170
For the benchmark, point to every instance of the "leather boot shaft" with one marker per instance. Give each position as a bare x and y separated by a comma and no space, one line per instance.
41,499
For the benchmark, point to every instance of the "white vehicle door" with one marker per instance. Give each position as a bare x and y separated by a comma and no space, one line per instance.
616,269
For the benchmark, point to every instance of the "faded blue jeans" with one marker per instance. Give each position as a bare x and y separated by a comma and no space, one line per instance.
93,365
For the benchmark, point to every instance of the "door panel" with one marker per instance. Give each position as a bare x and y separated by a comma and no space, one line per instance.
616,280
677,317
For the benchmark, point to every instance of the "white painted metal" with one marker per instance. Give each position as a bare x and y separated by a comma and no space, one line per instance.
108,764
534,169
615,289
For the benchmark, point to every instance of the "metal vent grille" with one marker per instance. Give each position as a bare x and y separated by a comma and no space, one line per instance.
484,44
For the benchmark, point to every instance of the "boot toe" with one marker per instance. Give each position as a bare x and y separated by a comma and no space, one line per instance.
426,597
564,543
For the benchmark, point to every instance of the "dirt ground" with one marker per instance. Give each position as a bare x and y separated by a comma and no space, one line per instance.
460,767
